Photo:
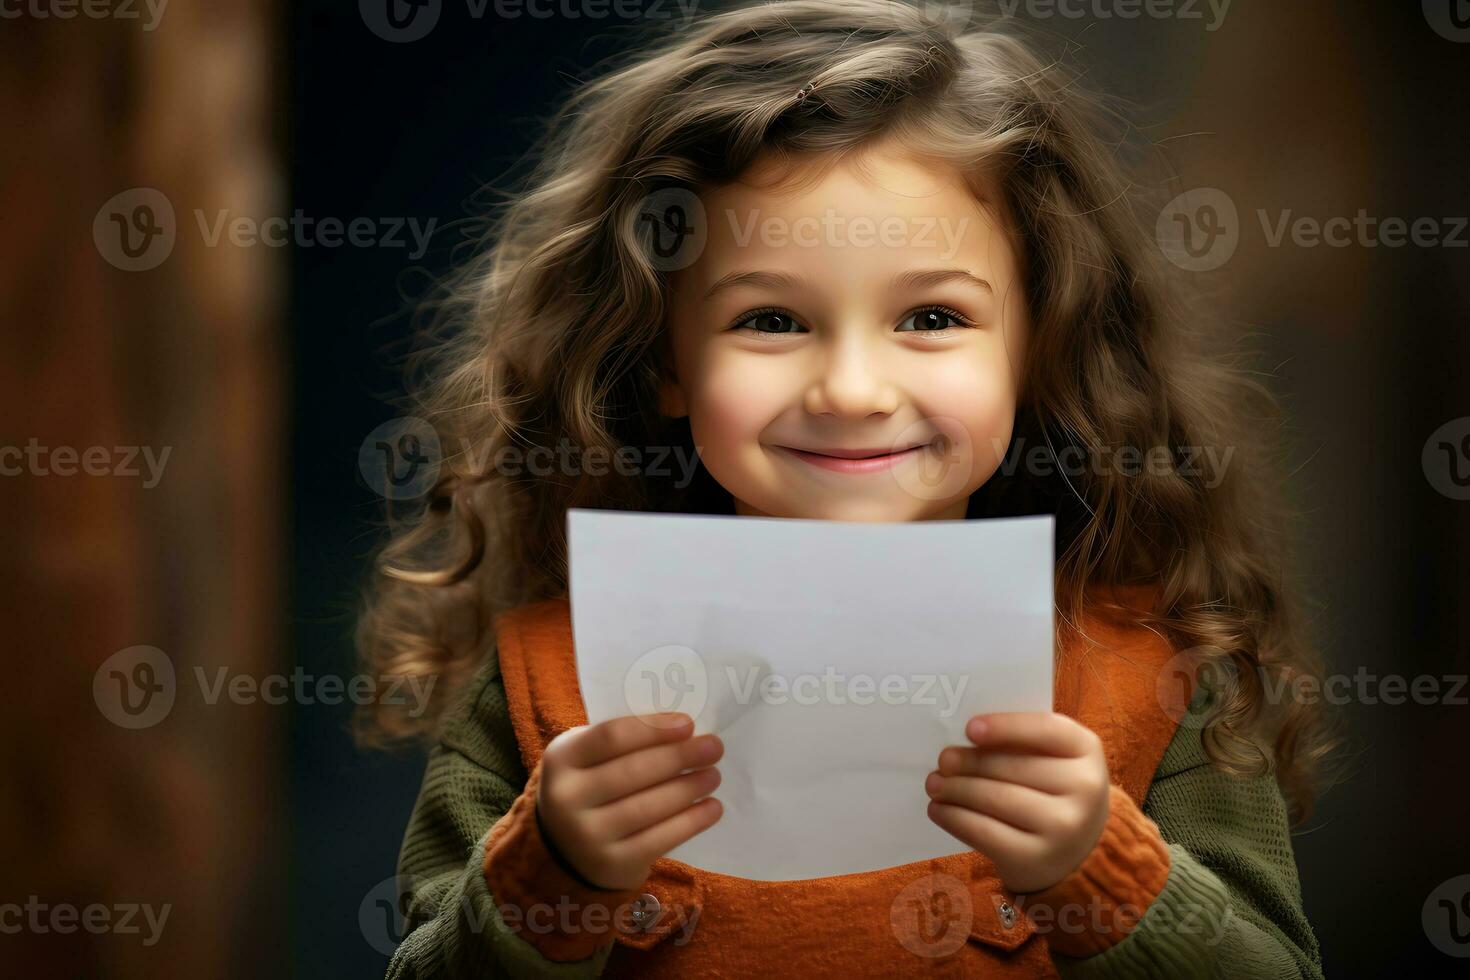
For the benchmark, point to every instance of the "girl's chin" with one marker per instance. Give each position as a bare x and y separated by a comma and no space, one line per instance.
814,506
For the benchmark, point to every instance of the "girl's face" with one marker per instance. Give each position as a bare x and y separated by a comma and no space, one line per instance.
875,313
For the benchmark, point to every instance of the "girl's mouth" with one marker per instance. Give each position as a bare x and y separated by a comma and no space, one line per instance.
853,464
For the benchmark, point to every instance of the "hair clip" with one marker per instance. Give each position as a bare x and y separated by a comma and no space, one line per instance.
805,90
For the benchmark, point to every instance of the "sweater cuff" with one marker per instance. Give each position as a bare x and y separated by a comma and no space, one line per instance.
541,898
1102,900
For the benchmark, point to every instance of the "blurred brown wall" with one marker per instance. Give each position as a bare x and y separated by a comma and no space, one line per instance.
179,357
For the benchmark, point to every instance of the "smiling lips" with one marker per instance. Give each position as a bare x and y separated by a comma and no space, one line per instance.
853,460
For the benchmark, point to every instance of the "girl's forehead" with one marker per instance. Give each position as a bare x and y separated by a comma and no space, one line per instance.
882,203
880,166
880,180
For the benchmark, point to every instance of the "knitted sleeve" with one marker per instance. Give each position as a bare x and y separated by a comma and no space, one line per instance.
454,927
1232,903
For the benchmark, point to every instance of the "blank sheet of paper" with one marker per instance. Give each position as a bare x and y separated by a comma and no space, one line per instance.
834,659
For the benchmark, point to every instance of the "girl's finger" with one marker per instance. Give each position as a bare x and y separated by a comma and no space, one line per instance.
1046,773
616,737
993,837
1020,806
648,845
1038,731
639,770
631,814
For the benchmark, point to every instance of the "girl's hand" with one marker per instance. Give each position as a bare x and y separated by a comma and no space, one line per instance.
1032,794
612,799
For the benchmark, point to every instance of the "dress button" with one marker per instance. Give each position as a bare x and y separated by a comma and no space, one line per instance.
1007,914
645,911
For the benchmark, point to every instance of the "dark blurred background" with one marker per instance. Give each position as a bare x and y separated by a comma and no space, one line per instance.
263,369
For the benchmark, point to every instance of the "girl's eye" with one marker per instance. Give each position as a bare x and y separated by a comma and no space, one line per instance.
933,319
930,319
769,322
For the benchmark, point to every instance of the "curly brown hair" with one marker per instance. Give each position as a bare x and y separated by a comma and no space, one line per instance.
553,335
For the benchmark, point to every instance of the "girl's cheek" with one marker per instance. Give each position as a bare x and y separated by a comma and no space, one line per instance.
731,407
733,403
982,402
991,439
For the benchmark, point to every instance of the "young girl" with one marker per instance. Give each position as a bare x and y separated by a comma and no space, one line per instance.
875,262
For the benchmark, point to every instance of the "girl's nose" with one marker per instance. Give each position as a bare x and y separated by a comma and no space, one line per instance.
852,382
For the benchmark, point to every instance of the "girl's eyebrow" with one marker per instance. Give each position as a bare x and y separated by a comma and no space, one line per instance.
913,279
918,278
755,277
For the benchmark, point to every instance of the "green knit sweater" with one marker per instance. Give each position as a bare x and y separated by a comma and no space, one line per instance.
1231,905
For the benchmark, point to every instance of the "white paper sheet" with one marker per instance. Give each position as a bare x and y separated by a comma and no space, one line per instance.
834,659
